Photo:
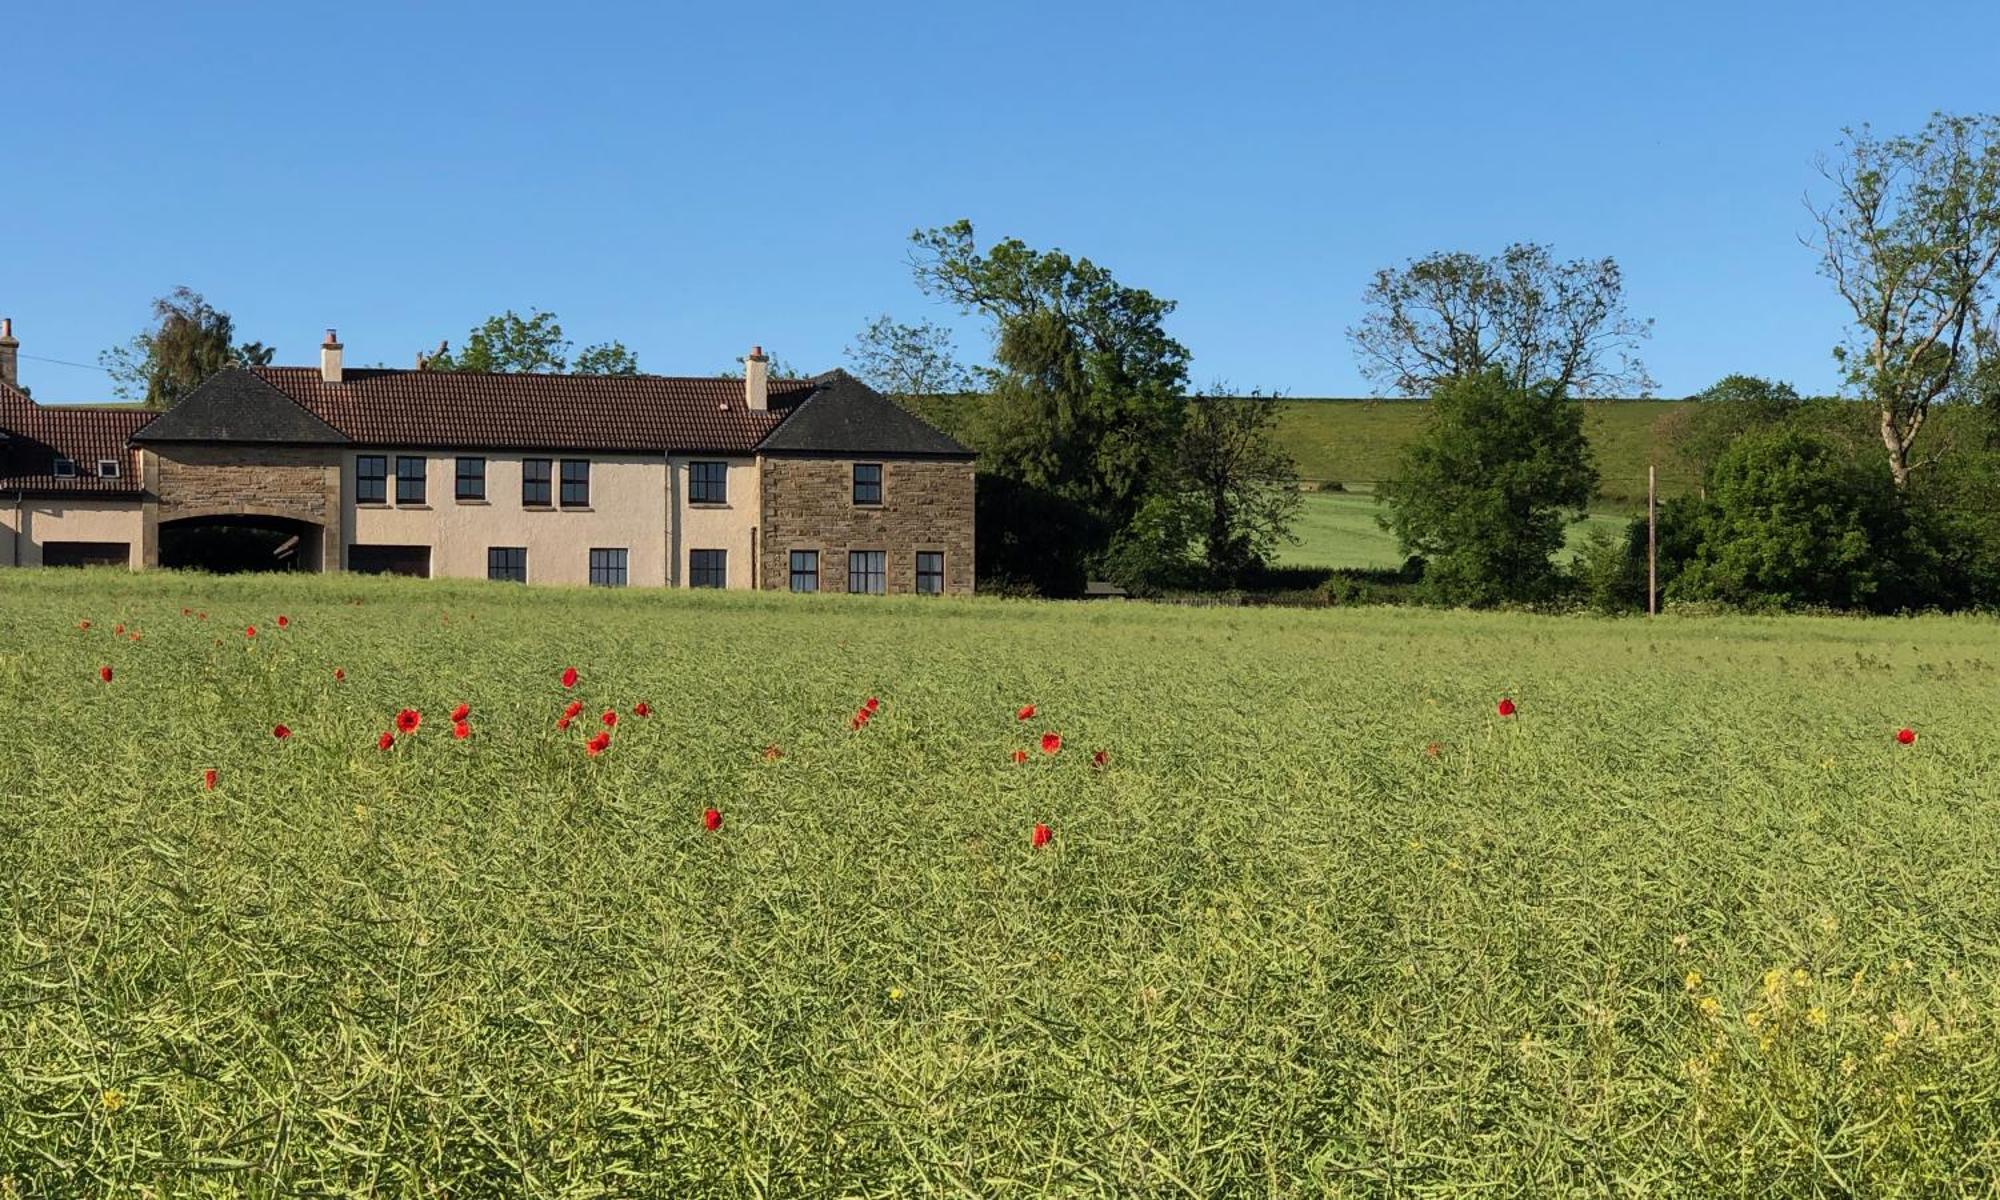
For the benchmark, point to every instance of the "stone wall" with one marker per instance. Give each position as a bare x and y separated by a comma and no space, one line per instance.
808,504
298,482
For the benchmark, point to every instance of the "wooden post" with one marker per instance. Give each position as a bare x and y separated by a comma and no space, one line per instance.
1652,542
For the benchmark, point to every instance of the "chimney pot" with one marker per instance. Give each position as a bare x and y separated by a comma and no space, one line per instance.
329,359
757,380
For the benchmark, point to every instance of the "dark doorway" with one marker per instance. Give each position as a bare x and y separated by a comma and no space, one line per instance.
86,554
390,560
231,545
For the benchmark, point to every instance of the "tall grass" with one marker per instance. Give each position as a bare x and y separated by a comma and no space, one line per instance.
1690,923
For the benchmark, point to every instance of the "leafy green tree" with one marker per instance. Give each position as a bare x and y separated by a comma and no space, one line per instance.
1734,405
1911,239
1449,315
534,344
1488,487
1794,519
1239,485
1087,387
190,340
917,366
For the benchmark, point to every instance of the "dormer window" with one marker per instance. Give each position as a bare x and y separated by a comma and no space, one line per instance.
107,468
65,469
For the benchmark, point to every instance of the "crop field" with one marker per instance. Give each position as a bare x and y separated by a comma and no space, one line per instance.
1692,920
1339,529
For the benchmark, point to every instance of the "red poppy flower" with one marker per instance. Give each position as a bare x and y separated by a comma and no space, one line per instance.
1099,758
281,732
562,722
569,677
118,630
1040,837
1025,713
408,720
1433,750
1051,742
387,740
859,720
133,636
104,673
1019,756
574,707
872,705
83,624
642,709
1506,707
283,621
597,745
711,820
773,754
201,616
187,612
208,779
610,718
461,712
1905,735
339,675
249,631
460,730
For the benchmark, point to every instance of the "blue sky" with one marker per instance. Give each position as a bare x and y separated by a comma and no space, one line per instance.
690,179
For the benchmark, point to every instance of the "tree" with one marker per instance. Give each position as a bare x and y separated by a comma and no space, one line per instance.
1911,238
906,362
1241,487
190,340
533,344
1732,406
1087,385
1450,315
1488,486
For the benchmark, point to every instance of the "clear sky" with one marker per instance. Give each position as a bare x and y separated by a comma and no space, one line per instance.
693,178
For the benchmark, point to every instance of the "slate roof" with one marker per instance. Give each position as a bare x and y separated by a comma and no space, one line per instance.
236,405
33,436
845,416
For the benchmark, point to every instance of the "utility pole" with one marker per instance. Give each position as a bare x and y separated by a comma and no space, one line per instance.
1652,542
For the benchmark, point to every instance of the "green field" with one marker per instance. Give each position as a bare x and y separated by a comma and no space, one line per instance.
1338,529
1690,923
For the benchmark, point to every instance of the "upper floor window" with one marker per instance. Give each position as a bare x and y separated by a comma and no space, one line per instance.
708,568
64,469
575,483
535,483
930,573
371,479
708,483
607,568
865,571
805,570
868,483
107,468
410,480
471,479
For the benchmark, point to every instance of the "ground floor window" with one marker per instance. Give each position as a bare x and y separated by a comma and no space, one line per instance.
86,554
507,563
708,568
930,572
867,571
607,568
390,560
805,570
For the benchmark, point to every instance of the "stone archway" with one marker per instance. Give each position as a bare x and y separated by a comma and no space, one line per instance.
226,543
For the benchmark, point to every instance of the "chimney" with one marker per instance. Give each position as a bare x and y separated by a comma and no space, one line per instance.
329,358
10,354
757,380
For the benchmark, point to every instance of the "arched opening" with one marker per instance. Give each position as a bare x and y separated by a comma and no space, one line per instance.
233,543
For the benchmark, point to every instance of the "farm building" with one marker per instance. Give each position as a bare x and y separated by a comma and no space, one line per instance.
810,484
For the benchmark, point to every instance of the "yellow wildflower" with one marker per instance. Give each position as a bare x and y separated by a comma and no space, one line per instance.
1849,1065
112,1099
1890,1039
1710,1006
1692,981
1753,1018
895,995
1816,1017
1799,978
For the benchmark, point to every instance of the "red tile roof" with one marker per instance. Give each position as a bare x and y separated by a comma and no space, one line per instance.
447,409
33,436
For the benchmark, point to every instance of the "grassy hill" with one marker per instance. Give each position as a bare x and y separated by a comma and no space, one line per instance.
1320,923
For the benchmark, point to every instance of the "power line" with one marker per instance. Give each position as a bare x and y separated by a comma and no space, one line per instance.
63,362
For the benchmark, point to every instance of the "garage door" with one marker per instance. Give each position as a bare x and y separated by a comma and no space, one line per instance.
390,560
86,554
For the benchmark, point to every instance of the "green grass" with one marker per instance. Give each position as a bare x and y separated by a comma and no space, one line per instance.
1690,924
1338,529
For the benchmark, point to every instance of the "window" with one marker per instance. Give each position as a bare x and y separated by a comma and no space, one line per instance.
708,483
930,573
107,468
508,564
390,560
535,483
409,480
865,571
65,469
805,570
371,479
471,479
708,568
607,568
868,483
575,483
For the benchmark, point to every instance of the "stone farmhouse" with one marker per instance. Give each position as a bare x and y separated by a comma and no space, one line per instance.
646,481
